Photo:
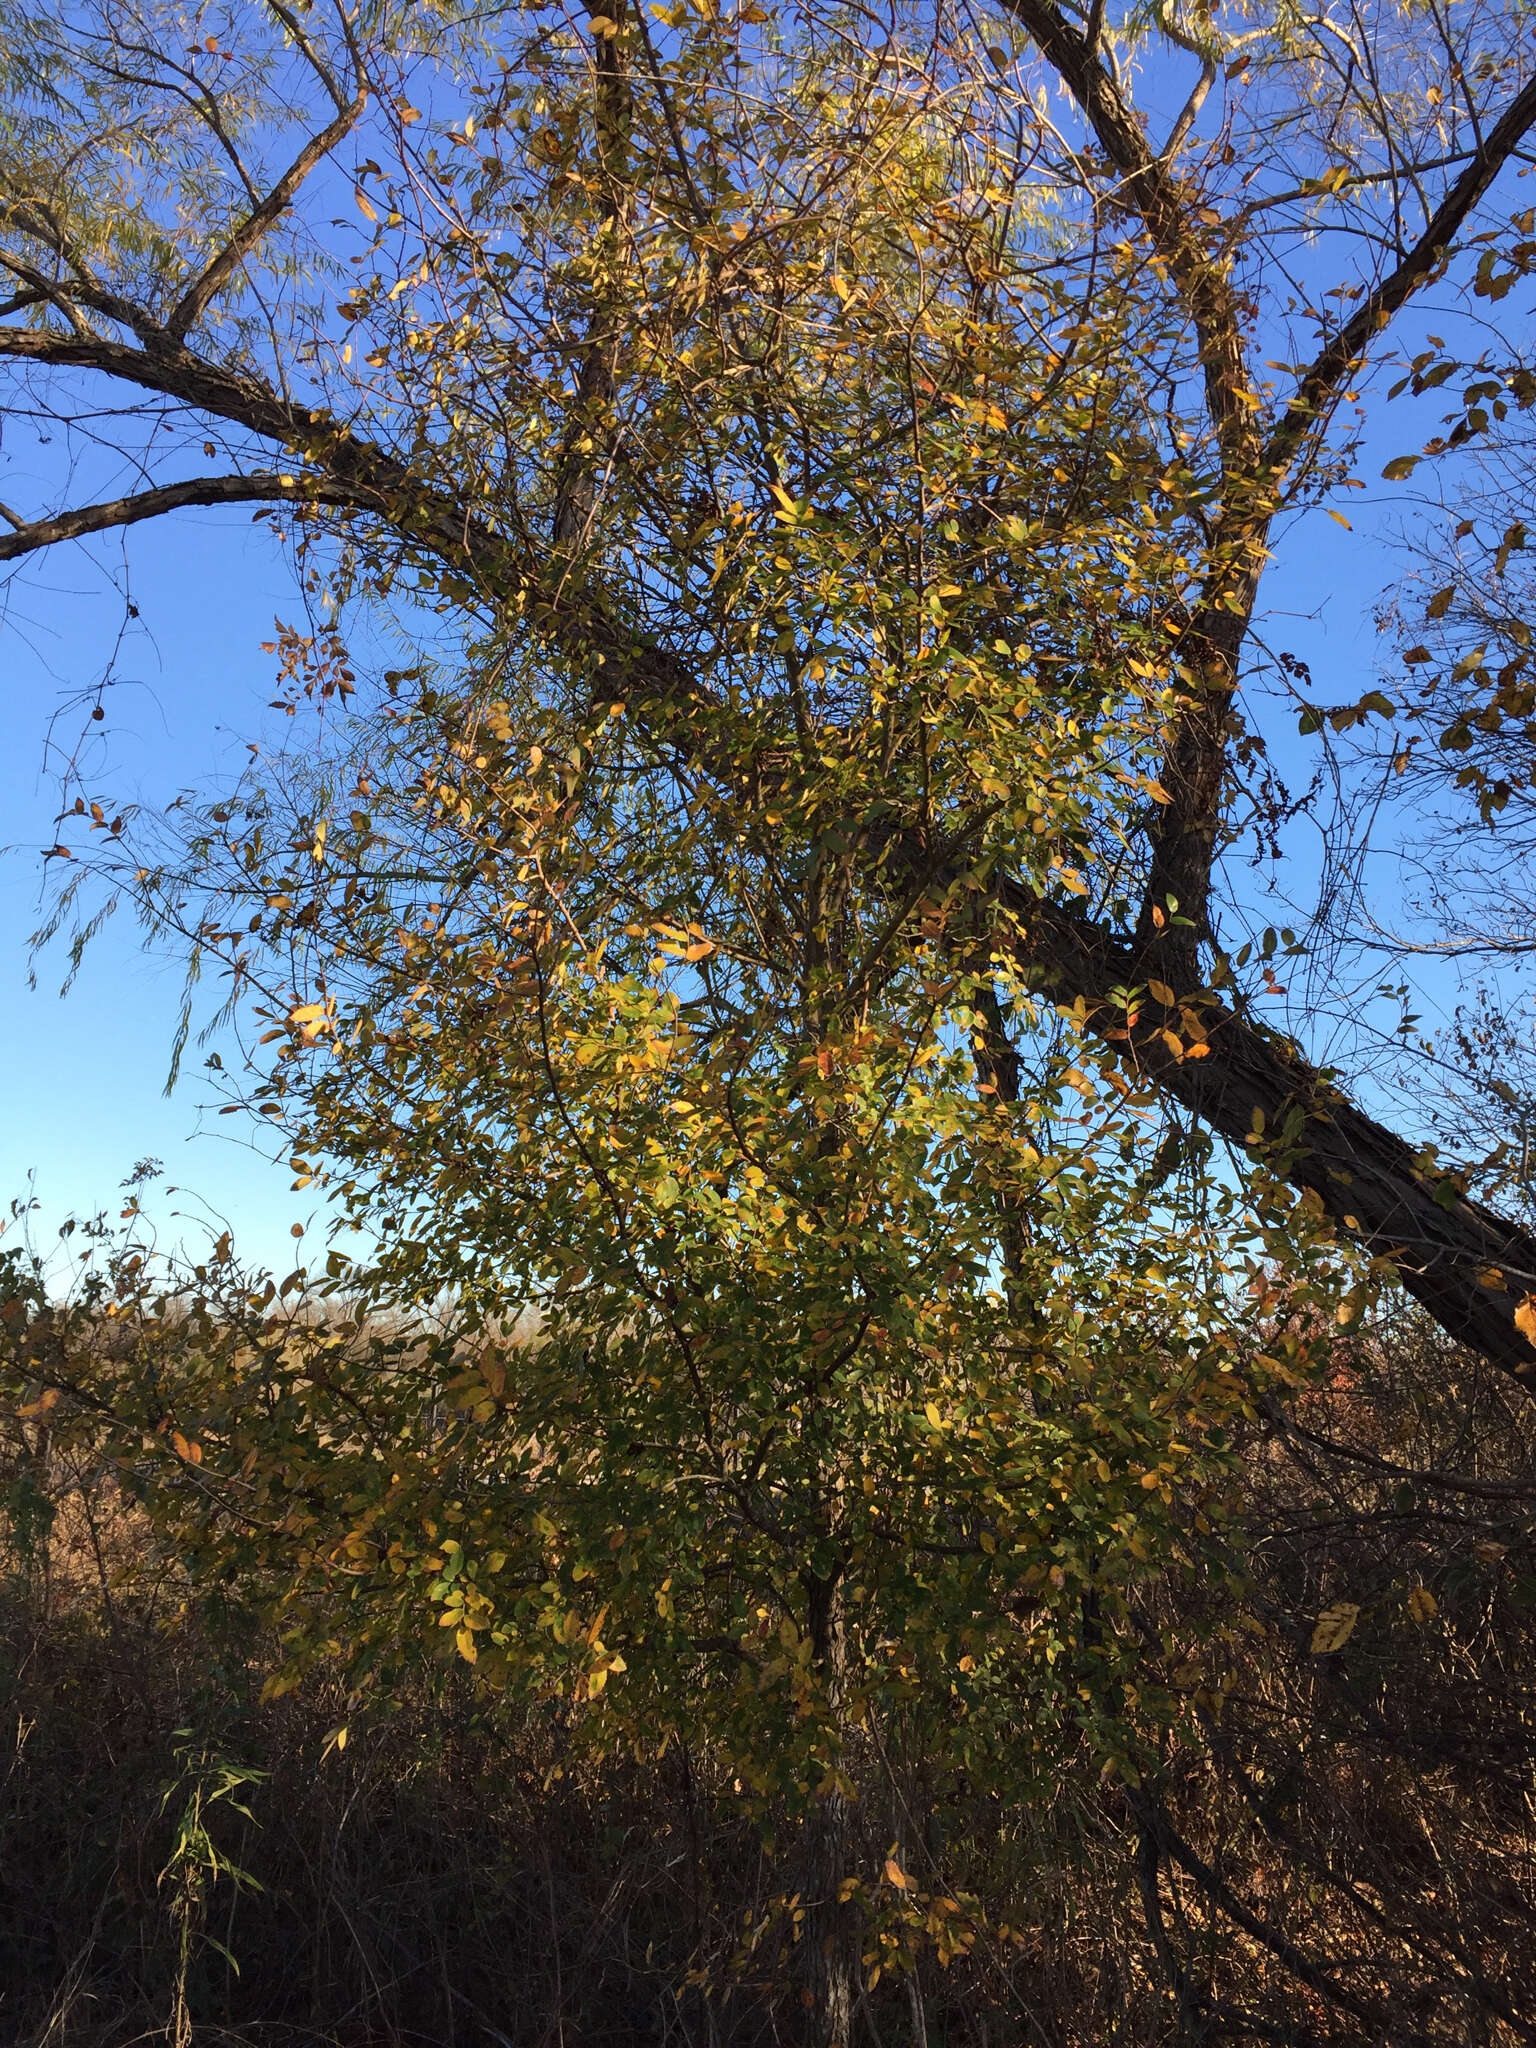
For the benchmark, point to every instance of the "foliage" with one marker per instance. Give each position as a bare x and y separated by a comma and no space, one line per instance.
744,966
459,1861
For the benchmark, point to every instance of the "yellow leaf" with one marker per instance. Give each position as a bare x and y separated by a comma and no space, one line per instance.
1422,1604
1150,1479
363,206
896,1875
1341,519
1335,1626
466,1643
1525,1318
1160,992
933,1414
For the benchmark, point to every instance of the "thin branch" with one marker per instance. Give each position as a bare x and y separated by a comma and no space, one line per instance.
1468,1483
1339,357
1220,1893
259,487
195,300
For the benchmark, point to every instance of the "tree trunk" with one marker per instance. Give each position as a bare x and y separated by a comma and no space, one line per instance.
830,1938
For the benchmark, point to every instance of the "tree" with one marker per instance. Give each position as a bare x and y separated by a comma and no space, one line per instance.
816,1377
770,922
610,329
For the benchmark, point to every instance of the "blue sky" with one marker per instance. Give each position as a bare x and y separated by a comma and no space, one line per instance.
86,1097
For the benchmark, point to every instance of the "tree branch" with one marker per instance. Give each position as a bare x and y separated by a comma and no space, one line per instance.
1166,207
198,296
260,487
1172,1844
1469,1267
1342,354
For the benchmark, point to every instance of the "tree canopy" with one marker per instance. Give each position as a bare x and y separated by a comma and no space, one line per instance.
768,953
901,449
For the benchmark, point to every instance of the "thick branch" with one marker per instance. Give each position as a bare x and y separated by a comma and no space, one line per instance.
1168,208
260,487
1469,1267
1194,765
345,469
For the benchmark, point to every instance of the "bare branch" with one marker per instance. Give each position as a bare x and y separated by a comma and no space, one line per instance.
260,487
195,300
1180,131
311,56
1197,98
